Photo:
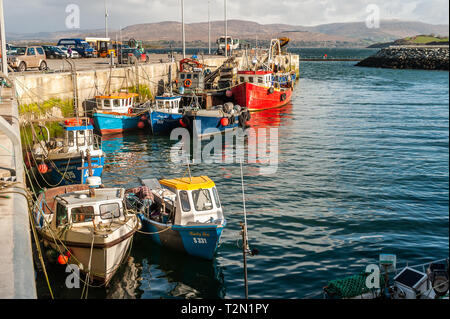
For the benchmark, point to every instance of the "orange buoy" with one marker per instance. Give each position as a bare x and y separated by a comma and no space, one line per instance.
141,125
43,168
224,121
229,93
62,260
144,118
73,122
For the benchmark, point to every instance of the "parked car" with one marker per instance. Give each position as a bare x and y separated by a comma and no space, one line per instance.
82,47
131,56
53,52
10,49
28,57
73,55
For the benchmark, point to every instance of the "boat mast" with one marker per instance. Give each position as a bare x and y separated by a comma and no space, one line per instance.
226,29
183,35
245,247
209,27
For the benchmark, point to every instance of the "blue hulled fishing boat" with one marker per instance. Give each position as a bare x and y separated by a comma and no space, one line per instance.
68,160
219,119
118,113
184,214
165,115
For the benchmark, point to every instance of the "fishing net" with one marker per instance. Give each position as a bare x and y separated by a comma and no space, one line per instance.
350,287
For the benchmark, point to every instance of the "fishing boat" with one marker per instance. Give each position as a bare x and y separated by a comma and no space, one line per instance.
65,161
165,115
262,90
118,113
220,119
184,214
86,226
426,281
268,83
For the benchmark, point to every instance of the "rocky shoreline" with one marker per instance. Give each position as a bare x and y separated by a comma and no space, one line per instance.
410,57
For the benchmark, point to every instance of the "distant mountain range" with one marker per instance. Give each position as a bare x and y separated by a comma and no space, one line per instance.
335,34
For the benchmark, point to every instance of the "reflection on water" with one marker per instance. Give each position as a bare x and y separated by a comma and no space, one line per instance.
362,169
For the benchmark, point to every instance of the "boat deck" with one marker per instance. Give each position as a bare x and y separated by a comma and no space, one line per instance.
101,194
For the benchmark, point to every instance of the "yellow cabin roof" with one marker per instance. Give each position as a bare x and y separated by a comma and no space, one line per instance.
188,184
117,96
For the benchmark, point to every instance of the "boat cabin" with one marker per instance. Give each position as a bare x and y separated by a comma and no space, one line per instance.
168,102
79,208
80,137
191,80
117,103
194,200
262,78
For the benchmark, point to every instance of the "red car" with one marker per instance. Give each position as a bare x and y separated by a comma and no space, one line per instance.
131,56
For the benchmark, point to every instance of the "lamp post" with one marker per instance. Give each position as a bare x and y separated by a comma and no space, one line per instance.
3,40
106,20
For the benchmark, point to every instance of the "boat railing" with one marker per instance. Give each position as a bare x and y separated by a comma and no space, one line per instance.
422,266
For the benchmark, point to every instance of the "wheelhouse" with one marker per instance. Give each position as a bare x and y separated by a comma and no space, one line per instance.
196,200
80,137
81,209
118,103
261,78
191,80
168,102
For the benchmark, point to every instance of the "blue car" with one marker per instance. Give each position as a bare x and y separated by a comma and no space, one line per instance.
82,47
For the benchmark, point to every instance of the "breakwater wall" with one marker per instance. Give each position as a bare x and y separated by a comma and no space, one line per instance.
410,57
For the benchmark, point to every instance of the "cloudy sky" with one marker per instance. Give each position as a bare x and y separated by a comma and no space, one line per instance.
50,15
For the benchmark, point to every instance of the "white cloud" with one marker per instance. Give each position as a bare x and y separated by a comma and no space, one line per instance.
49,15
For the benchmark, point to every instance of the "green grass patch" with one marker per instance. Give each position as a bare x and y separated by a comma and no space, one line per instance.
424,39
145,94
40,109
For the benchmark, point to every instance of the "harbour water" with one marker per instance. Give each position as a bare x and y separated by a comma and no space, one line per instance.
363,169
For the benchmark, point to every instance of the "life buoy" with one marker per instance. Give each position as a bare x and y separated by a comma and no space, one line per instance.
187,83
130,110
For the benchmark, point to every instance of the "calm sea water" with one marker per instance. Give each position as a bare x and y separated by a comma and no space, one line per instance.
363,169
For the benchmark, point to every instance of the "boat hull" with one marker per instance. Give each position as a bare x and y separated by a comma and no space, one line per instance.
164,123
203,126
257,98
105,261
108,123
68,168
199,241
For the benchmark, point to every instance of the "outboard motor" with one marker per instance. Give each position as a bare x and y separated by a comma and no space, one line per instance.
228,107
438,276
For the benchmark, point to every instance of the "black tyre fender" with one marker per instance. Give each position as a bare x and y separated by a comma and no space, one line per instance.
271,90
283,97
186,120
242,120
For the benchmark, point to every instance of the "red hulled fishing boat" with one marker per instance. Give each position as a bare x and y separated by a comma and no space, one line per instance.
261,90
